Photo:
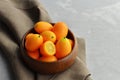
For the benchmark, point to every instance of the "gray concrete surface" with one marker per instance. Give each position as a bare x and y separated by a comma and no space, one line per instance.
98,22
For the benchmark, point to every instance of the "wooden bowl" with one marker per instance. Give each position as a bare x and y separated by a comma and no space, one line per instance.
49,67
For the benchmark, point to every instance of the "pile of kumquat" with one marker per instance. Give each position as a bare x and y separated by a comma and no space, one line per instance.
49,43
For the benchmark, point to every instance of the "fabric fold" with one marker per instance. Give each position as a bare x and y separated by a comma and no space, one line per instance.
11,50
17,17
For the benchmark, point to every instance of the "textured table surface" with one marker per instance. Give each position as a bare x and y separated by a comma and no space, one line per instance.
98,22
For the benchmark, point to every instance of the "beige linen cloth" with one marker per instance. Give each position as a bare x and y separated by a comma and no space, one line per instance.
18,16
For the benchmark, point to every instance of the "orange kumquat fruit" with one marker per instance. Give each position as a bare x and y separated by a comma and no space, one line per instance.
60,29
47,48
48,59
71,42
42,26
33,54
48,36
63,48
33,42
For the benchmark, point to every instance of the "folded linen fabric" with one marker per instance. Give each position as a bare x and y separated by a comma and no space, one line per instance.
18,16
